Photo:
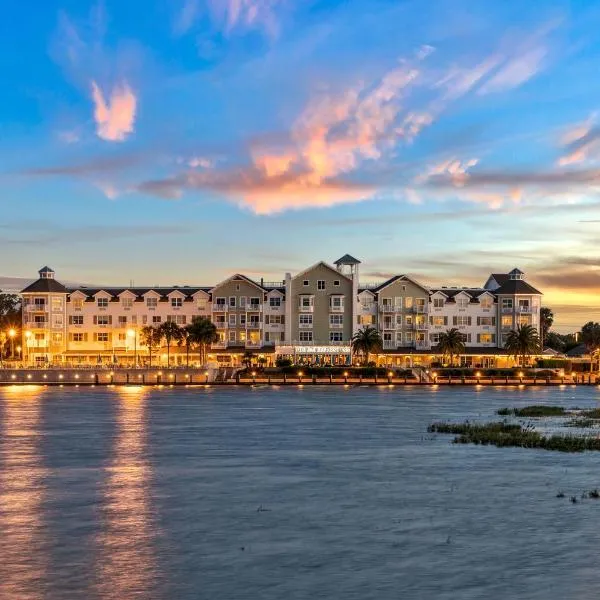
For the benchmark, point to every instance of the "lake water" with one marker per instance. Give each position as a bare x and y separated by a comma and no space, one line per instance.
291,493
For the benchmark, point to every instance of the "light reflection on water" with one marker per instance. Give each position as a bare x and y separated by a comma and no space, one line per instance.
22,538
126,562
298,493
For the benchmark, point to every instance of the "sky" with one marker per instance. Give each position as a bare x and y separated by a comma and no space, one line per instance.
181,141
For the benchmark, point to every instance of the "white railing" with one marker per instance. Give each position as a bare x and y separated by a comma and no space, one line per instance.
250,344
306,309
507,309
336,309
524,309
220,307
389,308
367,307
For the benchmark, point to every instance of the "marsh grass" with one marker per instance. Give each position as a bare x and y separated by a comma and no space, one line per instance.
510,435
534,411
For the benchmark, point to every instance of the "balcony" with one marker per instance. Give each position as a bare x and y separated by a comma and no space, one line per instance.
219,344
422,344
389,345
389,308
253,325
220,308
37,308
507,309
336,309
524,309
253,344
418,308
39,325
421,326
306,309
277,309
254,307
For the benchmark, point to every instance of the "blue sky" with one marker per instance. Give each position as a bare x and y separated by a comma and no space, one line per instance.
180,141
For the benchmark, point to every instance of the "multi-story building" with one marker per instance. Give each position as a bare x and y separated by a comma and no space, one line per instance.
308,317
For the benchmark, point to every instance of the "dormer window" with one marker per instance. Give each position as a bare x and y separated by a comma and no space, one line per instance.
438,303
127,303
176,302
485,302
152,302
102,302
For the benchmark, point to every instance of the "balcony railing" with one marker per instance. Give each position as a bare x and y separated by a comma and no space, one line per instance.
336,309
507,309
524,309
389,345
220,308
251,344
306,309
417,308
389,308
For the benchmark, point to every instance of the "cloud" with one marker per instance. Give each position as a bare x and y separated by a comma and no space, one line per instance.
186,17
585,280
114,117
582,143
92,166
69,136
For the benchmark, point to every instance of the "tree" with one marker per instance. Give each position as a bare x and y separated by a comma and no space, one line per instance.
523,342
546,320
201,332
555,341
10,318
590,336
151,337
247,359
366,341
172,333
451,343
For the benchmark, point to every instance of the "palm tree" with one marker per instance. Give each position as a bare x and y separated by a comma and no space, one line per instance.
247,359
522,342
546,320
366,341
186,340
172,333
151,338
451,343
201,332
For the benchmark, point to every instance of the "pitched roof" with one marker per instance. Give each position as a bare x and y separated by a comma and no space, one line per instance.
474,293
577,351
396,278
347,260
516,286
45,286
500,277
46,269
138,291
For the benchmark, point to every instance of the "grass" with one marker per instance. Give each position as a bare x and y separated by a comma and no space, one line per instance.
509,435
535,411
582,423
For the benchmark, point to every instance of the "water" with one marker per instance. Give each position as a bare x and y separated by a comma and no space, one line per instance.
285,493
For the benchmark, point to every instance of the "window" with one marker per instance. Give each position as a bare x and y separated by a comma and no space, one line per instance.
486,321
127,303
254,303
178,319
336,302
243,301
420,302
156,319
267,337
220,303
507,322
306,336
201,303
220,321
439,321
486,338
366,320
306,302
462,321
399,320
336,320
242,319
387,337
305,320
102,302
57,338
486,302
122,321
335,336
408,320
101,336
336,283
78,304
232,336
144,319
57,321
40,337
122,337
403,288
103,320
77,337
176,302
39,303
237,287
408,302
388,323
242,336
274,319
232,319
434,338
152,303
306,283
275,302
254,321
232,301
438,303
507,303
321,284
398,301
39,319
399,337
462,303
57,304
466,338
76,320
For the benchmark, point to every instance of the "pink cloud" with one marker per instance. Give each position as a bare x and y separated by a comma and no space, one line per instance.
114,116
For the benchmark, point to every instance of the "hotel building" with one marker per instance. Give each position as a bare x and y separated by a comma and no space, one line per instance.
308,317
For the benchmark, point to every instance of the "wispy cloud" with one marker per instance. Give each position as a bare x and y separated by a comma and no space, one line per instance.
114,116
231,16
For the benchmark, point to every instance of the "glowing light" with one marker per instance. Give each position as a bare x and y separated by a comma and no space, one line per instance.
478,374
91,376
76,375
300,373
12,333
390,374
345,373
131,333
45,376
29,376
13,376
60,376
520,373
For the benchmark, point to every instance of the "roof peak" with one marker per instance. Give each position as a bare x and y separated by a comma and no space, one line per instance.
347,259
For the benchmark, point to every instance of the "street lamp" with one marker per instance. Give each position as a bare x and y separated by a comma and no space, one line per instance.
132,333
11,334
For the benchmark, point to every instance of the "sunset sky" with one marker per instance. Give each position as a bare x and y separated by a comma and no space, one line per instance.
179,141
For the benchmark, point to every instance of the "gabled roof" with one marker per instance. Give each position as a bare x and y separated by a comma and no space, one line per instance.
324,264
238,277
347,260
44,286
473,293
363,290
516,286
396,278
500,278
46,270
139,292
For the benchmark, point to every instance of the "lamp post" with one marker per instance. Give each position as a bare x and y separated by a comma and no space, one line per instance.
11,334
27,351
132,333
